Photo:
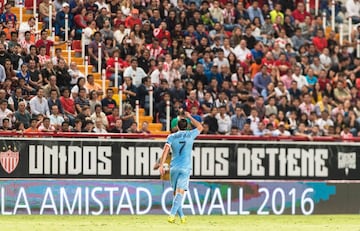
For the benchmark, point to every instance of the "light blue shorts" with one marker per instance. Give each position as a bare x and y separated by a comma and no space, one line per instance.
179,178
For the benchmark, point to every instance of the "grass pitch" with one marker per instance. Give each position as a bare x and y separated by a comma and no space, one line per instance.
201,223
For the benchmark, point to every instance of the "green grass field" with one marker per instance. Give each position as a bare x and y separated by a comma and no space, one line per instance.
201,223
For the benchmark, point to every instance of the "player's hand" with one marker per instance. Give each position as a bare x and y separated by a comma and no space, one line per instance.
161,170
187,114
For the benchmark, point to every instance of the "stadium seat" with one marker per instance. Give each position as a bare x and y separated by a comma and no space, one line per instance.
160,133
148,119
16,11
64,53
82,68
78,60
26,16
141,111
107,82
116,98
76,46
97,76
62,46
155,127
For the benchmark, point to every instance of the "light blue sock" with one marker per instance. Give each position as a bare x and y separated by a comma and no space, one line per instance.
176,204
180,211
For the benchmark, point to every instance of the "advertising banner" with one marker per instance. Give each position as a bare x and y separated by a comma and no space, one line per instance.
135,158
116,197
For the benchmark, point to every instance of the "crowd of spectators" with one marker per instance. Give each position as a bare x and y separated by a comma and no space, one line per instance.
250,67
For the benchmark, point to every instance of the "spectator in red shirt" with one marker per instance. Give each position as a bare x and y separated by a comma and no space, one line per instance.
68,105
80,19
191,101
161,33
154,49
320,41
133,19
110,66
299,13
268,61
282,64
113,117
43,41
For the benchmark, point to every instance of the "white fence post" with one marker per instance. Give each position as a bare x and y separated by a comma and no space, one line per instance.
168,116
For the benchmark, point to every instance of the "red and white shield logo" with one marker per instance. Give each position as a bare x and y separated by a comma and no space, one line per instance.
9,160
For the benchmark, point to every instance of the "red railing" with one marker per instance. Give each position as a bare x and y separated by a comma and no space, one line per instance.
163,136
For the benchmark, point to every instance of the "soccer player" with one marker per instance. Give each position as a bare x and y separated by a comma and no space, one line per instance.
181,144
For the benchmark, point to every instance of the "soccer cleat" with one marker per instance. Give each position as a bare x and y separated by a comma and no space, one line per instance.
183,220
171,219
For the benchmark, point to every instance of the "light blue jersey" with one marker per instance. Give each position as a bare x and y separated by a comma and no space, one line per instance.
181,144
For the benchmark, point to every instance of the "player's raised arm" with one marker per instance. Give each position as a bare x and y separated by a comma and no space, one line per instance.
166,150
196,123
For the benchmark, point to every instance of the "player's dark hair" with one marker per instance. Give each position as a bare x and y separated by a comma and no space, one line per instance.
182,124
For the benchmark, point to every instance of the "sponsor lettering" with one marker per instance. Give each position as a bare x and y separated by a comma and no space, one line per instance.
70,160
90,199
292,162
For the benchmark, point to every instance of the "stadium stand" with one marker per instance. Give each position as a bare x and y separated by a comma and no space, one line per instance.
240,67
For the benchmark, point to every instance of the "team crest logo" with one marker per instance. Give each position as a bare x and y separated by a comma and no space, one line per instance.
347,161
9,159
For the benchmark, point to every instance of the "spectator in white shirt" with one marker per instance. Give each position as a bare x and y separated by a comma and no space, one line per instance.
325,58
56,119
158,74
324,122
299,78
6,113
39,105
135,72
281,131
99,127
46,126
75,73
221,60
353,10
241,51
224,121
254,120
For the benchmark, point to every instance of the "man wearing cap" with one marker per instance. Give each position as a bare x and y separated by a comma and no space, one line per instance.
133,19
60,22
267,27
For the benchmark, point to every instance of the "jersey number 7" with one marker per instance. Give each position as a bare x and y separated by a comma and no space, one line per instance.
182,146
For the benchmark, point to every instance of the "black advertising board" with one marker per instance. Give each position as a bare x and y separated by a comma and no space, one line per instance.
134,159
